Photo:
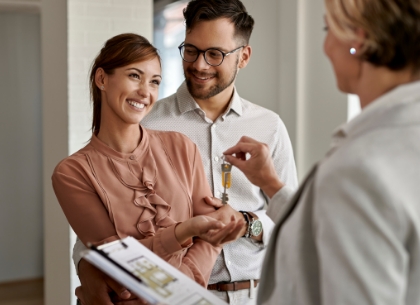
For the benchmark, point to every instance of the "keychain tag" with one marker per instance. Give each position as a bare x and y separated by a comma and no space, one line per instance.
226,180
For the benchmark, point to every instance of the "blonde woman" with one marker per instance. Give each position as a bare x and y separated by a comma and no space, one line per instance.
351,233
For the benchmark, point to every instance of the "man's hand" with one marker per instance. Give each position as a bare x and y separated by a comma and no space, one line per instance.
259,168
96,286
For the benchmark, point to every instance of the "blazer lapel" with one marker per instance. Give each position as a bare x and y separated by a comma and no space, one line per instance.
267,276
289,206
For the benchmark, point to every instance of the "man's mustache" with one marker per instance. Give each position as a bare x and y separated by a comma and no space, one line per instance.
201,74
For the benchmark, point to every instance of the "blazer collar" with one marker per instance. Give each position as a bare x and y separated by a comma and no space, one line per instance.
399,106
384,111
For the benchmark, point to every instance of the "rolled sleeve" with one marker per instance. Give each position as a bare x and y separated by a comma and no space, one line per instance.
277,202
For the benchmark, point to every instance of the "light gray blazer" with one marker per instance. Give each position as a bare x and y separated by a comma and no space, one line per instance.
351,233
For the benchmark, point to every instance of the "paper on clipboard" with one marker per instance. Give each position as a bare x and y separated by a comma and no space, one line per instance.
147,275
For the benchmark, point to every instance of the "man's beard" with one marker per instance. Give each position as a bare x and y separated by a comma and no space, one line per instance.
213,90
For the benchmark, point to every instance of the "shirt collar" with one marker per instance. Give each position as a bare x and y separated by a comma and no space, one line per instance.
135,155
235,103
187,103
377,111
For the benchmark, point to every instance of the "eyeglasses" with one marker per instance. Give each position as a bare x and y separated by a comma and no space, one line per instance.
214,57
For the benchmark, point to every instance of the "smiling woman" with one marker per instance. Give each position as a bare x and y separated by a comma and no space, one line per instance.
131,181
119,61
127,94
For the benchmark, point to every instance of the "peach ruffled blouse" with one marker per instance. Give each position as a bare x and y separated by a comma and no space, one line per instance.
107,195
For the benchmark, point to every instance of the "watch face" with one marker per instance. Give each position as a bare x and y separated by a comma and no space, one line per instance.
256,228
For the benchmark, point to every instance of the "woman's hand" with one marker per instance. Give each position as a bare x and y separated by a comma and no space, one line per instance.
97,286
209,230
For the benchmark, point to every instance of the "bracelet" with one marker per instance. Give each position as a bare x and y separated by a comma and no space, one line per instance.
246,216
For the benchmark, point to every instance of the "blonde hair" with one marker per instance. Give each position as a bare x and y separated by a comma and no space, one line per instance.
392,28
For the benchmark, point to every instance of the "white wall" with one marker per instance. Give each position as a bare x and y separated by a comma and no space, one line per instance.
90,24
321,107
21,219
290,75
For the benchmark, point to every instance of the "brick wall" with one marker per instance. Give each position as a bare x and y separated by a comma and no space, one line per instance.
90,24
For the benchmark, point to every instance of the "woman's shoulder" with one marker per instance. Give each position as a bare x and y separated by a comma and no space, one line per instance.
175,146
76,162
171,139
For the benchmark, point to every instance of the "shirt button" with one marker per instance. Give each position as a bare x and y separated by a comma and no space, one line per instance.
216,159
132,157
229,263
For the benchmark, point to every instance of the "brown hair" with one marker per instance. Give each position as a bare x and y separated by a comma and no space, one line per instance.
392,28
234,10
119,51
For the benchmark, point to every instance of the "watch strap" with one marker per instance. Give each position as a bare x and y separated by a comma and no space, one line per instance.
253,219
248,224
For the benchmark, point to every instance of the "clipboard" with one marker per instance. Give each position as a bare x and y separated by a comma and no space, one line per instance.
147,275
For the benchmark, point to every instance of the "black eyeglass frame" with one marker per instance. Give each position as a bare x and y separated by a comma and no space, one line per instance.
224,54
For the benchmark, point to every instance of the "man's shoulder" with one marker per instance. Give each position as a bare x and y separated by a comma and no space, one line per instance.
250,108
167,103
260,121
163,110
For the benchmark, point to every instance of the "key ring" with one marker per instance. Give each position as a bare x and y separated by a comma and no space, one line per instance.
226,179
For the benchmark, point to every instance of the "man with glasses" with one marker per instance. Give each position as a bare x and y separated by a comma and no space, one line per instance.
208,109
214,57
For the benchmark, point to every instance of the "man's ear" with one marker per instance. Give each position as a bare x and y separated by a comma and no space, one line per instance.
245,56
100,78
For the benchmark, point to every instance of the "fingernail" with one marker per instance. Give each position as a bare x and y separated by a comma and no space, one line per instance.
125,294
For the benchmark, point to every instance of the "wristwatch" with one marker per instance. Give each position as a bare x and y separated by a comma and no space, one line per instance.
254,225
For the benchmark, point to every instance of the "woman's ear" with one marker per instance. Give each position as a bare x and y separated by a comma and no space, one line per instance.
359,42
245,57
100,78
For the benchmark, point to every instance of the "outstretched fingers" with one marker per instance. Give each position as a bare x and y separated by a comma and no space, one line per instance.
228,233
236,231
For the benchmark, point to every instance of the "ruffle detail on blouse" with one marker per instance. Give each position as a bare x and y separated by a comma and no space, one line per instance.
155,209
